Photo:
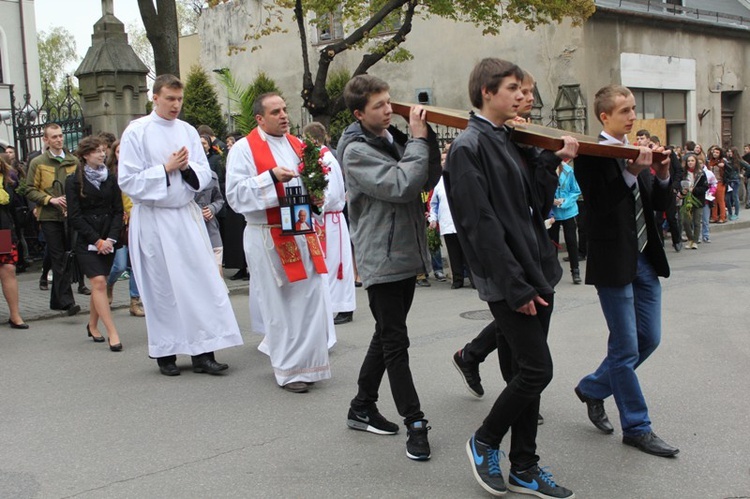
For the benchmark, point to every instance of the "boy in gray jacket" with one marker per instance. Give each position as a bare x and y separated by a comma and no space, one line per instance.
385,174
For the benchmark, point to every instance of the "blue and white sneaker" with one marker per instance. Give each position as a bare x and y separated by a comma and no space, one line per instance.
485,463
538,482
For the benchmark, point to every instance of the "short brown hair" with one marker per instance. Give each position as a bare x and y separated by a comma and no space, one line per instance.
108,138
166,80
206,130
604,100
258,108
315,131
359,89
50,125
488,74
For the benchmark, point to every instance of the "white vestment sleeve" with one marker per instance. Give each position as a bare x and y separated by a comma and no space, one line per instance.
335,194
248,192
140,182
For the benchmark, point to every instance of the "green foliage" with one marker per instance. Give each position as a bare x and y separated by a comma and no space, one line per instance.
201,103
57,49
337,80
242,98
433,240
311,169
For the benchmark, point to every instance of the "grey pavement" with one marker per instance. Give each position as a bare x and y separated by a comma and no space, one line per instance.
80,421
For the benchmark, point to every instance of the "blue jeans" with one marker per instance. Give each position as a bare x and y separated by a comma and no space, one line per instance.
633,315
120,265
436,258
706,217
733,197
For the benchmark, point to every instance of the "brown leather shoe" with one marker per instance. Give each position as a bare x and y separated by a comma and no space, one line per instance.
296,387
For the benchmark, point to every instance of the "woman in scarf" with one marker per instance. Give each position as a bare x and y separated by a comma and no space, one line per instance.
95,212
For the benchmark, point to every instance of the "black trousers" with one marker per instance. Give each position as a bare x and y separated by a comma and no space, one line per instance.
517,407
455,256
485,342
571,240
61,295
583,234
389,351
673,220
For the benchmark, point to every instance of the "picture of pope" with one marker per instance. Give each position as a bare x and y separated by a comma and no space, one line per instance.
302,222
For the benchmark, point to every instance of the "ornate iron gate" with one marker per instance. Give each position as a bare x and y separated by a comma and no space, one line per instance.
29,121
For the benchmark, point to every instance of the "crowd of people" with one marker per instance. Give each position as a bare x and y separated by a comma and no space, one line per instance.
173,205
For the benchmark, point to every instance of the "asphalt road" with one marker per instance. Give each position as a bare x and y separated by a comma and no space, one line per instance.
80,421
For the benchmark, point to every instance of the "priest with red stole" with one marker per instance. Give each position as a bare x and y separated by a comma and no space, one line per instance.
289,299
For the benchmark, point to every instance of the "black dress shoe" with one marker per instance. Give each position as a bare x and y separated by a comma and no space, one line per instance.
97,339
223,366
117,347
83,290
343,318
167,365
43,285
597,414
651,444
240,274
73,310
205,364
13,325
169,370
457,285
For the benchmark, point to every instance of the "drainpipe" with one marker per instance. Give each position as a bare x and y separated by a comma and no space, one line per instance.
23,47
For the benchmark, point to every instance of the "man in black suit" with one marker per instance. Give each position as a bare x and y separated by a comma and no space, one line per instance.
625,261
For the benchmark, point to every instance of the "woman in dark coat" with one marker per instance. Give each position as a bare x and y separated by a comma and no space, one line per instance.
9,260
95,213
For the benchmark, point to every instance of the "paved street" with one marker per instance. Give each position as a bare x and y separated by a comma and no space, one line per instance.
80,421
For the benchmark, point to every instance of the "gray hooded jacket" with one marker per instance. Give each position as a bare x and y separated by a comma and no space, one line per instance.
384,183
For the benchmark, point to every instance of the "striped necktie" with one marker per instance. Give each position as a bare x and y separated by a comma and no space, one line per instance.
640,219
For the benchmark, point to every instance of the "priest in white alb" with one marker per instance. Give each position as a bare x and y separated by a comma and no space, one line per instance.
289,299
162,165
333,231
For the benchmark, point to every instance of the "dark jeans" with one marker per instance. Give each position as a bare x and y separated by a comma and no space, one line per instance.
571,240
388,351
455,256
61,296
517,407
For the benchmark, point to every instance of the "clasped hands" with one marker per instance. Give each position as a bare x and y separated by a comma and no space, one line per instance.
104,246
178,160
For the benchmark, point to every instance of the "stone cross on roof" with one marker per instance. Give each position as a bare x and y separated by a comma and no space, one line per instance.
108,7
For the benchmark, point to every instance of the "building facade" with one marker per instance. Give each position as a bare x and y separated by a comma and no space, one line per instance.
19,60
685,60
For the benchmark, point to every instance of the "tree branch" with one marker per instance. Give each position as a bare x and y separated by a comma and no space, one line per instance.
317,101
369,60
307,83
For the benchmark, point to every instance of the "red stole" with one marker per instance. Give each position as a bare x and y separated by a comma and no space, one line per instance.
286,246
